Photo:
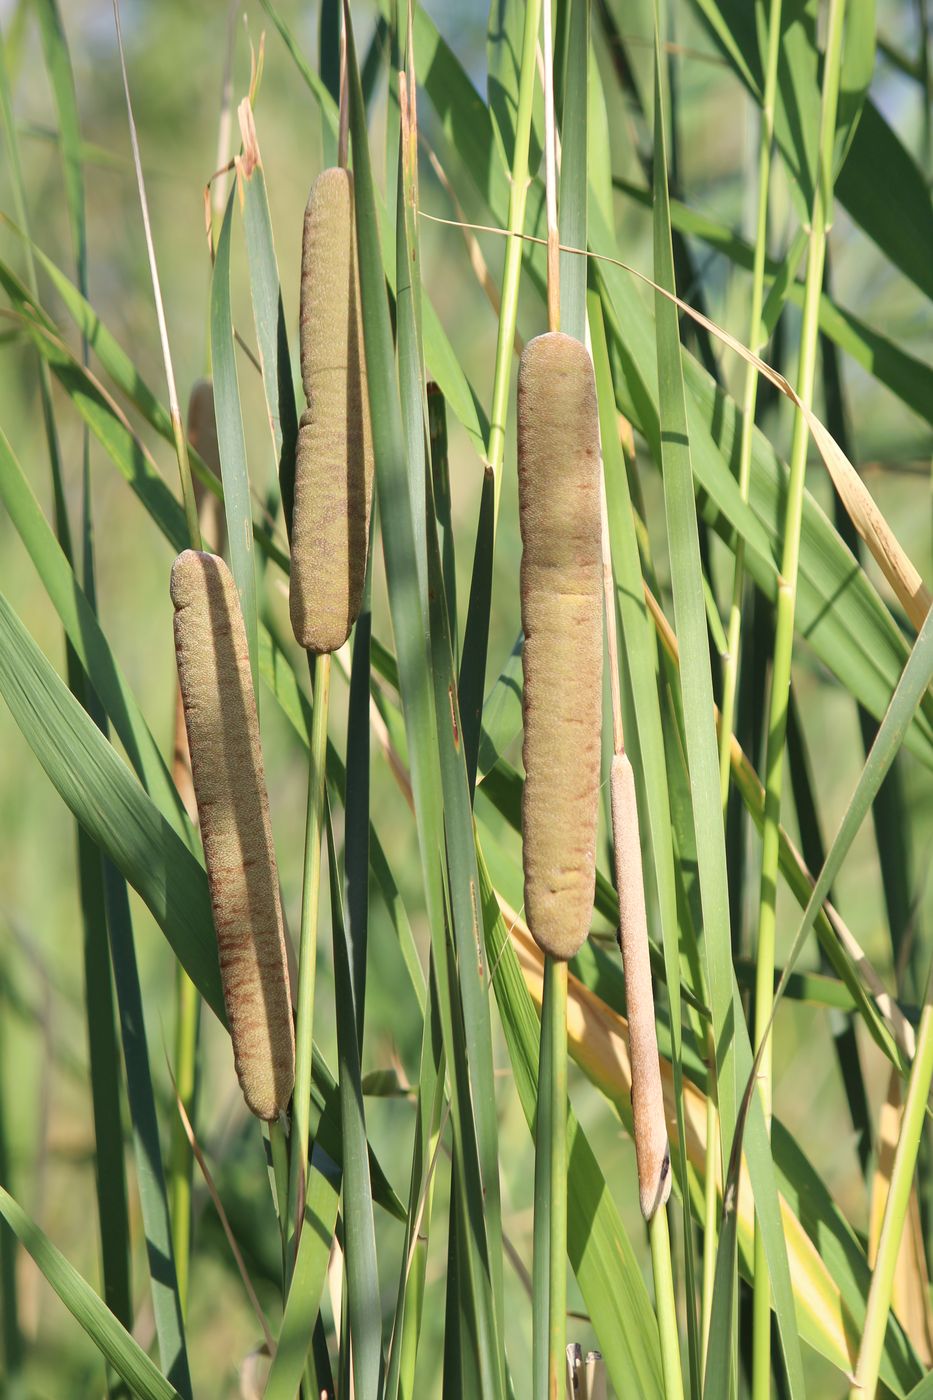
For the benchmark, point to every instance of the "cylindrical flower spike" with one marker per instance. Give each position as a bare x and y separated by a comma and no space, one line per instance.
561,576
229,782
334,460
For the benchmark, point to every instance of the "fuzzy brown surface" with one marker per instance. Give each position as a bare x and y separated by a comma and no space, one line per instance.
652,1150
561,580
334,460
229,781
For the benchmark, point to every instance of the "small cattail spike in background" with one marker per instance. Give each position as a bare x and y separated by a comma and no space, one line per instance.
652,1149
229,782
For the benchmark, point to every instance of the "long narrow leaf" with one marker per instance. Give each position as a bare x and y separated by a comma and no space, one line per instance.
124,1354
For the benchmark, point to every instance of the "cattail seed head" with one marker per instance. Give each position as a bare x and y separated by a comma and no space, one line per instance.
229,782
334,459
561,575
652,1149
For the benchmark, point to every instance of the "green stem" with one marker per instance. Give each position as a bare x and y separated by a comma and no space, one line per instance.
307,954
549,1282
895,1211
188,1004
541,1292
666,1305
554,1026
750,395
710,1197
278,1150
783,654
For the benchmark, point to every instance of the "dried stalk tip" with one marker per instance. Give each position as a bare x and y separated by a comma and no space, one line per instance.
229,782
561,579
334,459
202,434
652,1149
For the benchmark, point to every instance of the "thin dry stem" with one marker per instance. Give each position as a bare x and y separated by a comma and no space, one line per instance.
222,1216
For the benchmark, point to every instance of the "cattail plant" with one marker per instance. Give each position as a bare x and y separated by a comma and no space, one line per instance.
559,508
329,535
229,781
202,435
559,515
334,462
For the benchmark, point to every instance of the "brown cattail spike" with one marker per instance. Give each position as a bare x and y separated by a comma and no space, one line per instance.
229,781
561,573
334,459
652,1149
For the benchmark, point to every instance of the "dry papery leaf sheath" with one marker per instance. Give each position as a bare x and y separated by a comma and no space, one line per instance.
561,576
334,461
229,782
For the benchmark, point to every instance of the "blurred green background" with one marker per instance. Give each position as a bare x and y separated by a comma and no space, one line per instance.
176,60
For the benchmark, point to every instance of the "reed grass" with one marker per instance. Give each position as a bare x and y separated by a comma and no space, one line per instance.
470,997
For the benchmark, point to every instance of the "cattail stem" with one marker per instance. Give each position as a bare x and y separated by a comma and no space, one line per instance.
665,1305
550,182
549,1304
307,953
202,434
551,1139
278,1152
343,137
556,1013
750,394
187,1012
783,652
